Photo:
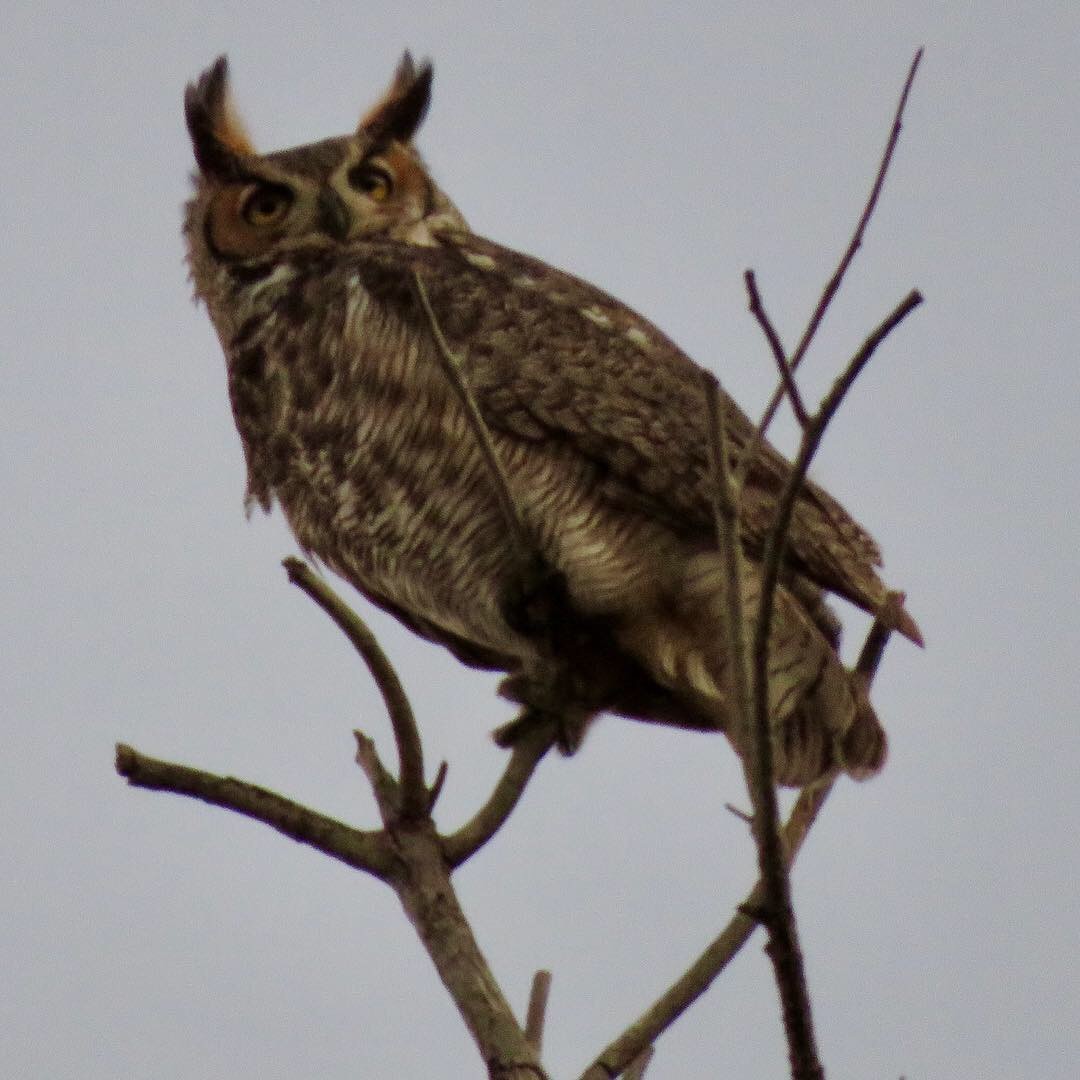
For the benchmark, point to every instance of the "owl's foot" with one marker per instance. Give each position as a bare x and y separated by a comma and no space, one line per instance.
543,705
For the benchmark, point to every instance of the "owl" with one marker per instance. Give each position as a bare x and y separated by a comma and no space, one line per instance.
307,261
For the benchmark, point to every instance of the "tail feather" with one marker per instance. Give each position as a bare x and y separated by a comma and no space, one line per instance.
820,714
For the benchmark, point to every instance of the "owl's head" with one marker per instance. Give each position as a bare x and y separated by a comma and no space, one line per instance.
372,183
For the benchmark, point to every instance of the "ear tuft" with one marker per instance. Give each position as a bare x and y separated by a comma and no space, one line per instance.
406,71
218,136
400,111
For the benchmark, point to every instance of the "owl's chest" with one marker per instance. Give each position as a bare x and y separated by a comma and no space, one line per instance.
371,437
328,390
398,503
389,475
357,434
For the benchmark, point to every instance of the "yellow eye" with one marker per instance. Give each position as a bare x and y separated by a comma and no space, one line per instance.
373,181
266,204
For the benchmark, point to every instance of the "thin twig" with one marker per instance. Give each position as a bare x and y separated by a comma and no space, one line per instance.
534,1017
833,284
779,913
384,785
414,796
725,502
453,368
528,751
437,785
367,851
839,388
787,378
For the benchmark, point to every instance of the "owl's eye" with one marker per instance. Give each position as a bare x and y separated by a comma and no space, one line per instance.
373,181
266,204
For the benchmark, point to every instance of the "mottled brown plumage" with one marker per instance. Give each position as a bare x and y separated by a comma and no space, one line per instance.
305,259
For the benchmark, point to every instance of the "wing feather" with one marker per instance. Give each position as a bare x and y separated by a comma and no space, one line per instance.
550,357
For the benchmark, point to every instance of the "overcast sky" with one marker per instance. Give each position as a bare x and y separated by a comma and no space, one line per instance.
658,150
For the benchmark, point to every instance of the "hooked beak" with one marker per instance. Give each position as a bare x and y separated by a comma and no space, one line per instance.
333,216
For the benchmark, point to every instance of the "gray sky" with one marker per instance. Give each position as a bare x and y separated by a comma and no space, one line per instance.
657,150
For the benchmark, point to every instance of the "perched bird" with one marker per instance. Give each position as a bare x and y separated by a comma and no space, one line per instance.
307,261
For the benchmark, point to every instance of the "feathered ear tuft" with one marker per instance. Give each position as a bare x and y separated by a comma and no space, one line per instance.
400,111
218,136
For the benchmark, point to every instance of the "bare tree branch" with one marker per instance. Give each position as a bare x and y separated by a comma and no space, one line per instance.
874,646
752,700
367,851
408,853
430,901
421,869
528,752
783,948
756,742
437,785
871,204
877,638
414,795
848,376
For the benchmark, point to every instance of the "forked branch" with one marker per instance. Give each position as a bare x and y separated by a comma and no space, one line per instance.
833,284
783,947
408,853
752,701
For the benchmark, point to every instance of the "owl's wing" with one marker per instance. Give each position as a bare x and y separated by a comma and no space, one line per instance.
549,356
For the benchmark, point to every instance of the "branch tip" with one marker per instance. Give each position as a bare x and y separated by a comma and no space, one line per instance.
125,759
437,785
537,1010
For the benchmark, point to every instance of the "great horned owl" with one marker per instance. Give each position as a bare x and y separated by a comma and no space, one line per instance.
306,258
